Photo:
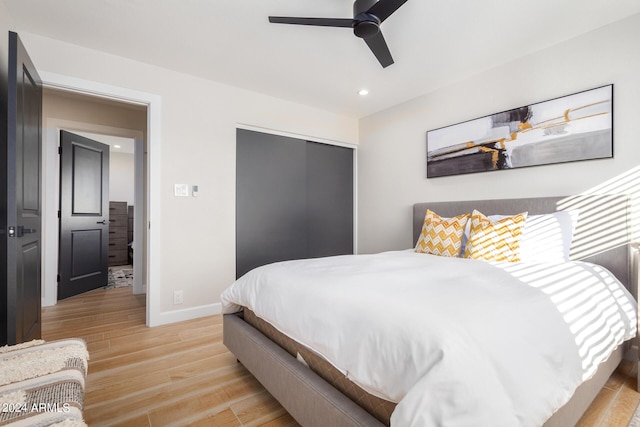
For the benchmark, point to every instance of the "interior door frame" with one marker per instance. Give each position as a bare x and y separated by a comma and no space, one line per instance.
153,177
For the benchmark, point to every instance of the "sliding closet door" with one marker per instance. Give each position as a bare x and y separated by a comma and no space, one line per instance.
294,199
329,200
270,200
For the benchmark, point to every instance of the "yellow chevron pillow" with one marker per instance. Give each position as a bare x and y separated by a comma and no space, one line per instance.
495,241
441,236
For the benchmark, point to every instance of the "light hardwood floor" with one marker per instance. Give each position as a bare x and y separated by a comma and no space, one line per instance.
172,375
182,374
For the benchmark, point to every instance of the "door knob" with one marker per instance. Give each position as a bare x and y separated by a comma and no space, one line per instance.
104,221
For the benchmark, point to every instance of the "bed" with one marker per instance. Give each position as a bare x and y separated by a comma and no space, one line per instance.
282,367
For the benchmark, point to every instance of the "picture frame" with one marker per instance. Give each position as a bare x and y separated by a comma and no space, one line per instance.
566,129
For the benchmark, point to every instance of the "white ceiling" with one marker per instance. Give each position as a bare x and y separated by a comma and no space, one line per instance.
434,43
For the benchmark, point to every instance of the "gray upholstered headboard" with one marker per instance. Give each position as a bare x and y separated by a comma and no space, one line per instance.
601,235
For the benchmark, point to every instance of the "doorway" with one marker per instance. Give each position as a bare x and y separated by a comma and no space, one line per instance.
152,174
116,123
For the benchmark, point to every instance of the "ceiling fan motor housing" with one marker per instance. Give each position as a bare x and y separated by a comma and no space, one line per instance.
366,25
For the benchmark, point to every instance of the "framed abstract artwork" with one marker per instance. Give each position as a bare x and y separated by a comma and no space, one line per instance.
567,129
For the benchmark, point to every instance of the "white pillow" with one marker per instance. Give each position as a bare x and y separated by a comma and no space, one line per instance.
545,238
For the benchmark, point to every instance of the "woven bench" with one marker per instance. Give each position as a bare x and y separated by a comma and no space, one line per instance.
42,383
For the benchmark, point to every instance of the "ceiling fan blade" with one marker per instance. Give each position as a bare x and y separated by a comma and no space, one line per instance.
384,8
378,46
321,22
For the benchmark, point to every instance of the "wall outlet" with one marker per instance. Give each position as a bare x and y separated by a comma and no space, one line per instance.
178,297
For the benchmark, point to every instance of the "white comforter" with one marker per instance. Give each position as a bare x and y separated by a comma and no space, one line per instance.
456,342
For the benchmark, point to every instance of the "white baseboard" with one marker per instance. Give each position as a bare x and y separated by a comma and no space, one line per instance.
142,292
174,316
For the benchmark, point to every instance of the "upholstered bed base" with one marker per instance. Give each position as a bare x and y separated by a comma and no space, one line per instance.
381,409
308,398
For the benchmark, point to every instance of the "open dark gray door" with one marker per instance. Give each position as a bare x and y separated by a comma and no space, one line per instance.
84,215
20,197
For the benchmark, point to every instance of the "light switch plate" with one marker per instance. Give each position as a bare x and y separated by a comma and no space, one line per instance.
194,190
181,190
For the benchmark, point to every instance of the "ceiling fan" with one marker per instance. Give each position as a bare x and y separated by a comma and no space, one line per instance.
367,17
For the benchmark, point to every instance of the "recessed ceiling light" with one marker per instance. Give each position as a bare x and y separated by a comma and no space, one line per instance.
363,92
116,146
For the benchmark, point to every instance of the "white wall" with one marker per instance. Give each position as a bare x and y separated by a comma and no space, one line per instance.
121,175
4,56
392,151
199,119
4,28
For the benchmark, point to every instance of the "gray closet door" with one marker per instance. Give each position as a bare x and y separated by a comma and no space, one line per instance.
294,199
270,200
329,200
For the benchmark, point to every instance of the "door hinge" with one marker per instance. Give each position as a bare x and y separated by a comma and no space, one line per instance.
59,215
58,278
60,149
